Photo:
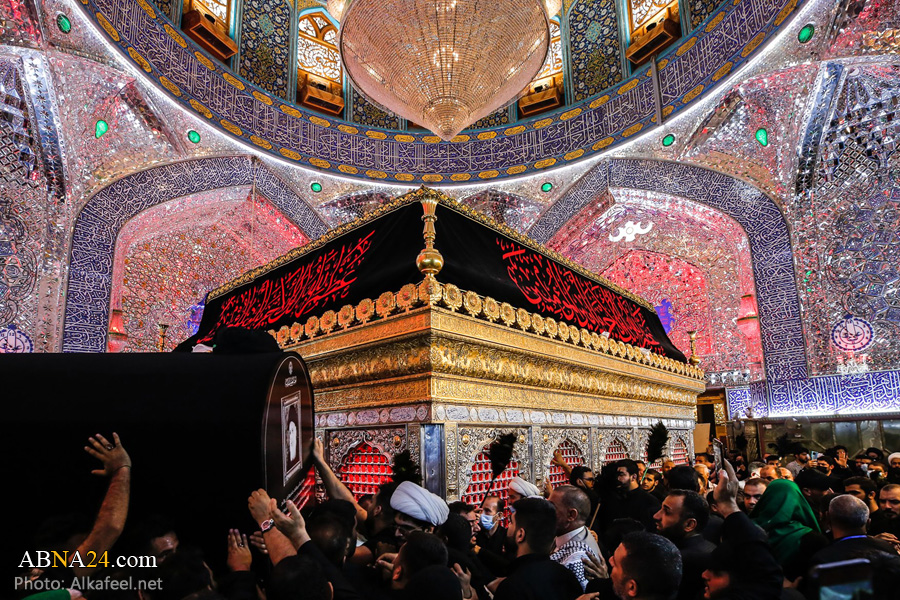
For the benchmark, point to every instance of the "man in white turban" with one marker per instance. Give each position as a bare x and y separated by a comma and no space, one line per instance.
417,509
894,460
519,488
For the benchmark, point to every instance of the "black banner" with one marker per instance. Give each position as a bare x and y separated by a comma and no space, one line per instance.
379,255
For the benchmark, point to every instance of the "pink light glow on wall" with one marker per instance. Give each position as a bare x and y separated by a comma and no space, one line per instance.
170,256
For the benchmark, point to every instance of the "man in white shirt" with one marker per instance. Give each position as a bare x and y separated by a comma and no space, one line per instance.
573,539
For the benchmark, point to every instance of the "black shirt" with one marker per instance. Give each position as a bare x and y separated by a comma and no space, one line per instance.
850,547
536,577
493,552
695,555
641,505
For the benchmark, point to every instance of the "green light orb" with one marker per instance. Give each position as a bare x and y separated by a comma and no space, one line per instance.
762,136
63,22
194,136
806,33
316,187
100,128
668,140
546,186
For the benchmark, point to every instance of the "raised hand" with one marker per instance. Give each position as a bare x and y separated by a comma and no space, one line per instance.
386,563
112,455
291,525
465,580
558,459
889,538
727,491
260,505
317,450
239,558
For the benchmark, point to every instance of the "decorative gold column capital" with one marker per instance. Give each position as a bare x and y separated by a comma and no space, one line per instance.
694,360
429,261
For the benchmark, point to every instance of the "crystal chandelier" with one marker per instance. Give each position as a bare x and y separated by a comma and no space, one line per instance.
443,64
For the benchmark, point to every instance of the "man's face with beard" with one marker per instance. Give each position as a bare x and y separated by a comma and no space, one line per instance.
649,482
616,574
668,519
371,514
816,497
889,502
511,531
623,478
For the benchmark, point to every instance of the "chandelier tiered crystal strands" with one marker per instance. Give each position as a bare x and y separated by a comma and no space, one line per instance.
443,64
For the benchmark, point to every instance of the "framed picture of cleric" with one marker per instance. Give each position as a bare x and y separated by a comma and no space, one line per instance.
287,430
292,454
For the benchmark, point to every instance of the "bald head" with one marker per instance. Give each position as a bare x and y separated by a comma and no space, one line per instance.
573,508
848,516
571,497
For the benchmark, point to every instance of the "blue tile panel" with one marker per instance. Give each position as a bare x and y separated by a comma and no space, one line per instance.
365,113
701,10
594,47
265,45
831,395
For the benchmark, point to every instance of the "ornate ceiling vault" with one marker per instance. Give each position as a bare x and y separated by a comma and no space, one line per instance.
746,159
149,41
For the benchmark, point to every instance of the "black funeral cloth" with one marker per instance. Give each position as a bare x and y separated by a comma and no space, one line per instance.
191,423
378,254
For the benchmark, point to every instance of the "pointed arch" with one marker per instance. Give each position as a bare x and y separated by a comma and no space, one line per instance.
97,226
784,349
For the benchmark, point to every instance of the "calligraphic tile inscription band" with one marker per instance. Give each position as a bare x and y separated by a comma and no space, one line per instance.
287,131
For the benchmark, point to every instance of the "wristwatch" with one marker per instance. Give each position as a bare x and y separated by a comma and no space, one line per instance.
267,525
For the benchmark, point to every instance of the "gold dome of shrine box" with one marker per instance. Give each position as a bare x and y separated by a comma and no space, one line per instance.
500,334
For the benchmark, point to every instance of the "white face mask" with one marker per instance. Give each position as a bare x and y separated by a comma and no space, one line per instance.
487,522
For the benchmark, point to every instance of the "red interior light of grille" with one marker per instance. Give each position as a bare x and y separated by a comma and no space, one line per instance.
573,458
679,454
480,483
364,469
616,451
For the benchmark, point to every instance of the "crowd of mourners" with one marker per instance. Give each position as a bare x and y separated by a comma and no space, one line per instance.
758,530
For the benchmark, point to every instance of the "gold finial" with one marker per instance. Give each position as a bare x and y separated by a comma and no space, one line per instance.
161,342
693,359
429,261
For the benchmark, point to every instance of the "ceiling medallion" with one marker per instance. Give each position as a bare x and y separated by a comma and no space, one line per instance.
443,64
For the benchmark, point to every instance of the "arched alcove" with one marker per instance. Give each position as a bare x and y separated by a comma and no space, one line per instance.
98,224
767,231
